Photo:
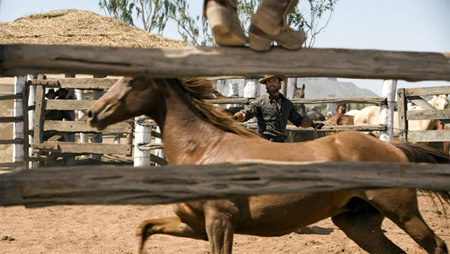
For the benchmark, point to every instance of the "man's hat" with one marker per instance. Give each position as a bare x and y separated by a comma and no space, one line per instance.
266,77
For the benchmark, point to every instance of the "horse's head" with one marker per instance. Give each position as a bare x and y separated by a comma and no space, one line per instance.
439,101
299,92
126,99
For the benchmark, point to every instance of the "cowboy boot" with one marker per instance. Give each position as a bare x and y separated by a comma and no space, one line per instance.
269,24
224,22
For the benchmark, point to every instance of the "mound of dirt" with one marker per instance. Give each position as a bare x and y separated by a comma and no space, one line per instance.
79,27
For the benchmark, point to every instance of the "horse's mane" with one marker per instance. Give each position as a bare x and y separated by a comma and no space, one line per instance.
198,90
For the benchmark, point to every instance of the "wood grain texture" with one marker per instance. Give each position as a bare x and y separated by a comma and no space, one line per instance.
83,148
420,91
224,61
179,183
428,114
11,119
83,126
11,97
402,108
11,141
429,136
69,104
368,100
421,103
327,128
77,83
39,115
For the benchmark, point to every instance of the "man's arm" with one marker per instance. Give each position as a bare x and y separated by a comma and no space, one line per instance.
250,112
302,121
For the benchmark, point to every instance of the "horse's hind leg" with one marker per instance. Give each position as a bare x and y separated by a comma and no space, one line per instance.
363,226
400,205
169,226
220,231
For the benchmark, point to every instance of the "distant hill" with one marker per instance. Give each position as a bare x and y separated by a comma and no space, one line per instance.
314,88
331,87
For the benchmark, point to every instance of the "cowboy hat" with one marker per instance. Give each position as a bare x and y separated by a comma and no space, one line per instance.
266,77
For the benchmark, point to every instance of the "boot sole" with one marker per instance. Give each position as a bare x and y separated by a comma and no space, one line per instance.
259,43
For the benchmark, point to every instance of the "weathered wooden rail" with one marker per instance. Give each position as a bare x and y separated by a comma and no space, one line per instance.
206,61
369,100
170,184
336,128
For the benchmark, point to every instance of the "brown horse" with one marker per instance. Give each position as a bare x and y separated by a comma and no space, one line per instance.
338,119
194,132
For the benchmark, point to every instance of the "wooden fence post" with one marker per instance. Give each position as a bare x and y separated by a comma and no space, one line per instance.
402,108
39,117
142,135
330,107
30,96
97,137
19,133
159,152
387,110
80,96
251,89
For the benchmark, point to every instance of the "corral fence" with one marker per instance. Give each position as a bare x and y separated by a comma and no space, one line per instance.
20,120
69,137
427,112
119,185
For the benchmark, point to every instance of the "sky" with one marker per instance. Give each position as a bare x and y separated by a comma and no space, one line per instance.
406,25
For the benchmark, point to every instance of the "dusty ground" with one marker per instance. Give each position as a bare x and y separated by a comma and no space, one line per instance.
110,229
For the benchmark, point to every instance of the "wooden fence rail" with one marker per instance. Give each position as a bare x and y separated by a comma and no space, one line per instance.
11,119
327,128
84,148
178,183
83,126
11,96
11,141
76,83
205,61
369,100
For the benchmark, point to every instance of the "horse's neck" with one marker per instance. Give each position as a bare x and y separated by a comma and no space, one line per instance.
186,135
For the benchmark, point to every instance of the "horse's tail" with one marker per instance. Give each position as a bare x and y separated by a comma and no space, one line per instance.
422,153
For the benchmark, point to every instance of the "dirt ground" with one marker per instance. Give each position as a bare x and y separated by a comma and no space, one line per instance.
110,229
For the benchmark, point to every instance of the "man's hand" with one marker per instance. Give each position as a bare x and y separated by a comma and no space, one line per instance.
317,124
239,116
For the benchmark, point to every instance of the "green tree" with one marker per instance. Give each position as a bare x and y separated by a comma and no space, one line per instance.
312,16
193,29
153,14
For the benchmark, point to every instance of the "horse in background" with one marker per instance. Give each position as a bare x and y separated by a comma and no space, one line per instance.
194,132
340,118
314,113
371,116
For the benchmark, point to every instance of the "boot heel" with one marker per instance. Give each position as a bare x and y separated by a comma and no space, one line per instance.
219,20
259,43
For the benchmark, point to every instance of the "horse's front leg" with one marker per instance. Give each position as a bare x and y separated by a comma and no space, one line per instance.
168,226
220,230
